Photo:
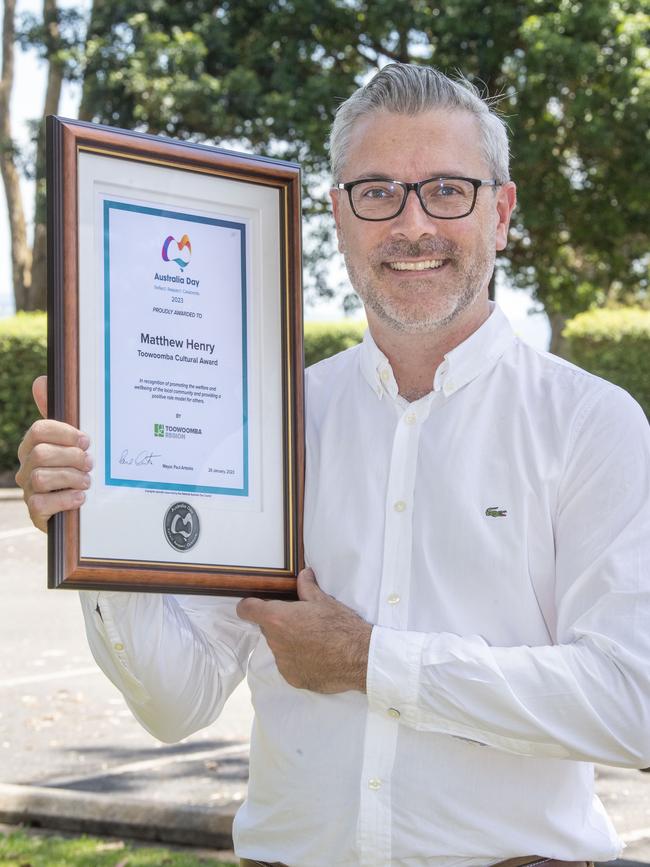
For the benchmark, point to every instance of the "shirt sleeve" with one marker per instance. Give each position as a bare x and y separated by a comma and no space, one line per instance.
176,659
587,697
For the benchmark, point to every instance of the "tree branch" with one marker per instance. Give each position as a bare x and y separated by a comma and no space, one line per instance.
380,49
373,60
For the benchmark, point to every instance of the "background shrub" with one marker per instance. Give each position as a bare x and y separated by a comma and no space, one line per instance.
323,339
614,344
23,356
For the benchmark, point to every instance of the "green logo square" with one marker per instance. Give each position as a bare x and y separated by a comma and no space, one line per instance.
159,430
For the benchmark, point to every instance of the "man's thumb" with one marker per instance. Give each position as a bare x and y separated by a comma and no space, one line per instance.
251,608
308,589
39,390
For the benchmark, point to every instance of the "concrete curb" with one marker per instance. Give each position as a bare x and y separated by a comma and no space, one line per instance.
11,493
92,813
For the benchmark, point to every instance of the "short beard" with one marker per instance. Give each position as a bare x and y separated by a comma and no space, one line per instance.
471,282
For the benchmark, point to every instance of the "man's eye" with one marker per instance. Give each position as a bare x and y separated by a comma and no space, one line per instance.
378,193
448,191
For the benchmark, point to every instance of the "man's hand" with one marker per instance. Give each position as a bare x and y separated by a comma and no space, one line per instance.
54,464
318,643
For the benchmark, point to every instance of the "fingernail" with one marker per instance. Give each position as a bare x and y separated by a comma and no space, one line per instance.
86,481
83,441
88,463
78,498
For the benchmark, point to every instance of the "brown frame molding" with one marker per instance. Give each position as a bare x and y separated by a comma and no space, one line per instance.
65,139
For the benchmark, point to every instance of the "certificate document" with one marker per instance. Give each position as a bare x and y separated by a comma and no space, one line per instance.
176,396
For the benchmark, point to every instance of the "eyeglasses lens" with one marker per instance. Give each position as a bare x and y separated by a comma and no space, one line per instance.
442,197
448,198
376,200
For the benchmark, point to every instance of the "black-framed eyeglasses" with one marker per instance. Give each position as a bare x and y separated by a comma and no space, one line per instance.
447,198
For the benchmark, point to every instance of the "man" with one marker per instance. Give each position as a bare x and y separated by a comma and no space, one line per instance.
477,518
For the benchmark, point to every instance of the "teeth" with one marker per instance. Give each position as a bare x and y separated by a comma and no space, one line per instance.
416,266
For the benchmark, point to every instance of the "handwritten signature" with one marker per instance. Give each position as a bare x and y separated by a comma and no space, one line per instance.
142,459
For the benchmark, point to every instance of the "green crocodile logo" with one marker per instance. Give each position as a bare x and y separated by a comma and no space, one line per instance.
495,512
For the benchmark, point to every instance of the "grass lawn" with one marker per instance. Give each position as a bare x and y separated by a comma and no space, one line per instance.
27,849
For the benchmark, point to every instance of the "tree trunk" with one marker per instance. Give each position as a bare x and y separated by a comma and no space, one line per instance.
404,54
38,294
21,259
84,110
558,345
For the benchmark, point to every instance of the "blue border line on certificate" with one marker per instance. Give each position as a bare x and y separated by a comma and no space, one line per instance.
170,486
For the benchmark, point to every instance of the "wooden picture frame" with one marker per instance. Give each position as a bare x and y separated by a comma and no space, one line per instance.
175,342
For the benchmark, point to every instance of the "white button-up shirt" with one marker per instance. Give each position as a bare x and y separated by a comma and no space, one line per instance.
497,533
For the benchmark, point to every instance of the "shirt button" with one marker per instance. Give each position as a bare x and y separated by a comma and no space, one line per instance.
119,647
410,418
374,784
399,506
393,599
394,713
385,376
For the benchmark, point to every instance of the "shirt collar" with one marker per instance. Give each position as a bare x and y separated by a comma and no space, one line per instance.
478,353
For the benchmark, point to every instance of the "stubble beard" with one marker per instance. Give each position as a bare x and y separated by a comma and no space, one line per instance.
420,306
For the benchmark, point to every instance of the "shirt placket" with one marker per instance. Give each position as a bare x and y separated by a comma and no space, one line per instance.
382,726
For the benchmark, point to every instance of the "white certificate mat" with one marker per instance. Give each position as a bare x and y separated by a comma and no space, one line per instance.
181,367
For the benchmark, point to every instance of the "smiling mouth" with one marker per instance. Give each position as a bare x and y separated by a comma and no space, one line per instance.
424,265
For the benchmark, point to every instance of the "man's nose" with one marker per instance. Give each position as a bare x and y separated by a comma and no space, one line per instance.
414,221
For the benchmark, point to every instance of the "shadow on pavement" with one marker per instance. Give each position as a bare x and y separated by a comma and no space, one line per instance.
192,773
622,862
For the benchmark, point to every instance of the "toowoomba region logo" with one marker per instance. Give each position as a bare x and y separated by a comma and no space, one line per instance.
182,526
177,251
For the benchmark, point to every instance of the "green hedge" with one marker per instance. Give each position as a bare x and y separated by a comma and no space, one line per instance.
23,356
614,344
323,339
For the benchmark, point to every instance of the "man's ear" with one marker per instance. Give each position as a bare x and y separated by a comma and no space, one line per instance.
336,210
505,205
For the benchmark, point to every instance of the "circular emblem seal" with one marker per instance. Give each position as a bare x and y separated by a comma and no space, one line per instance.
182,526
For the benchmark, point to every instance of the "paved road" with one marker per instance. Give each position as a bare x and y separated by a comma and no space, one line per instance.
62,724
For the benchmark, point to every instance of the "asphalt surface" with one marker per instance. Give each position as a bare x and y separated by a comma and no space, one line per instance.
65,728
73,757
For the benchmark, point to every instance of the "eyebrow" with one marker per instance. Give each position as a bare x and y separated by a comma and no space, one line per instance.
382,176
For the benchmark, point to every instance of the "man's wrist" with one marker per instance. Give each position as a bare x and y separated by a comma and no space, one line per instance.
361,658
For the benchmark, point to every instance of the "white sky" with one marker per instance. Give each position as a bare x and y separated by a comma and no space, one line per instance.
27,104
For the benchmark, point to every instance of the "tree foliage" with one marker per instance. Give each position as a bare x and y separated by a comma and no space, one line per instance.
573,75
581,147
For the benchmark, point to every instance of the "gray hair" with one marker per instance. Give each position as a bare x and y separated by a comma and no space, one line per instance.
407,88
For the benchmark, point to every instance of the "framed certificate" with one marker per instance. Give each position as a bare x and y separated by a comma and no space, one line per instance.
175,343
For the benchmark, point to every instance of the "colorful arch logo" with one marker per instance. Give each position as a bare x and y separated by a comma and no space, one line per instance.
177,251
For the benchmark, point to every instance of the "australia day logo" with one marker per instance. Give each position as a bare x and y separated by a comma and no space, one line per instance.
177,251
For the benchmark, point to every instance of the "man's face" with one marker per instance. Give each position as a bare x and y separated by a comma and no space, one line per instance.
458,255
